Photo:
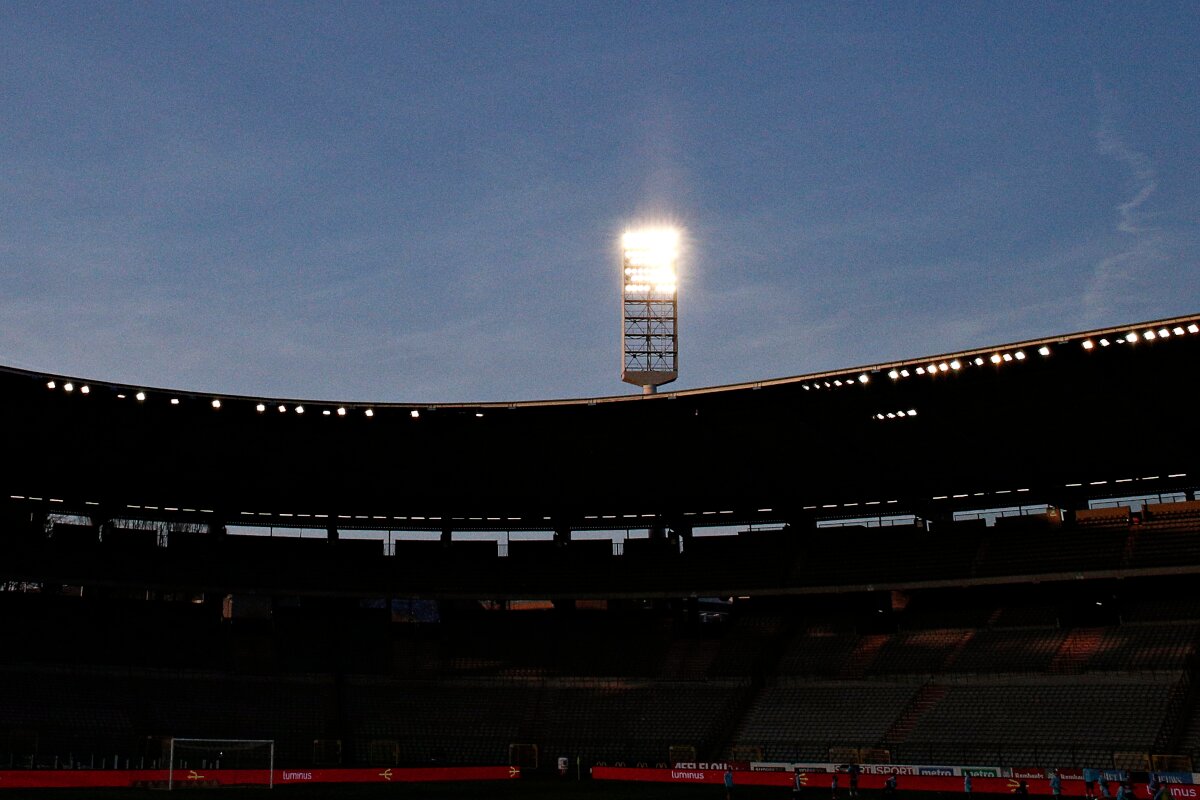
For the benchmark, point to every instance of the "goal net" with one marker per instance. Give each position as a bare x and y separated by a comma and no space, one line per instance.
221,762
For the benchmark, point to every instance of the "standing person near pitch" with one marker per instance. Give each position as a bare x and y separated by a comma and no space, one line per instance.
1103,780
797,784
833,785
853,770
1056,783
728,783
967,784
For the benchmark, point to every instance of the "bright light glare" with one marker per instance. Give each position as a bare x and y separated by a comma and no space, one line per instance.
649,258
51,384
260,407
84,389
68,387
216,403
140,396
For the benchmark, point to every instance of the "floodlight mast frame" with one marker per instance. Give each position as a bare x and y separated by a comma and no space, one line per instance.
649,316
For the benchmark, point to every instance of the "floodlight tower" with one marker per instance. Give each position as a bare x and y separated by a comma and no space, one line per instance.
649,308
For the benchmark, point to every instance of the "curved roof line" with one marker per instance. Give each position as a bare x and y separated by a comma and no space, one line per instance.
853,372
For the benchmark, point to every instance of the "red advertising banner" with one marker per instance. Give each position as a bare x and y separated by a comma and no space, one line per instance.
81,778
821,780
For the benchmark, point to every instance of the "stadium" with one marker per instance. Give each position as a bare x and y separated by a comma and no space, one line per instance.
982,560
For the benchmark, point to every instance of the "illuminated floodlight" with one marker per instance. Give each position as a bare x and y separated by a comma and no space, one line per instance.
1148,335
920,370
85,389
415,414
1019,355
1087,344
863,378
282,409
341,412
1104,343
174,401
299,409
893,375
955,364
51,385
837,382
1007,356
903,373
1043,351
649,307
261,407
1178,331
326,413
1193,328
216,403
1164,333
68,387
369,413
140,396
1131,337
912,412
978,361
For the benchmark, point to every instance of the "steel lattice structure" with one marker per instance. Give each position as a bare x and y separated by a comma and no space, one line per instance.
649,309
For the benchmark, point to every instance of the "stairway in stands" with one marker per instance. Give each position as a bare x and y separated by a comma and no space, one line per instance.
1076,650
864,655
957,650
926,698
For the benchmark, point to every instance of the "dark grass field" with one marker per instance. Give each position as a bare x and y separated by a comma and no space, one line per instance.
505,790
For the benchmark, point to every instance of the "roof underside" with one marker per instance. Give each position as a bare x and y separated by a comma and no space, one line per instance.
1035,428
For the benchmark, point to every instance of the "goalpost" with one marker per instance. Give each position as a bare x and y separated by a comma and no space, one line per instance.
189,760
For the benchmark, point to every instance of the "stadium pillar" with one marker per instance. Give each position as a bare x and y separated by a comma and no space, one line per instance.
446,534
562,534
331,532
682,534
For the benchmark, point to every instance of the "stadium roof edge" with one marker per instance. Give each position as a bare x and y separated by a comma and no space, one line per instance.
732,387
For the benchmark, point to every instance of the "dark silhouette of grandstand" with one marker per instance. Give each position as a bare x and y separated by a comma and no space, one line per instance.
986,557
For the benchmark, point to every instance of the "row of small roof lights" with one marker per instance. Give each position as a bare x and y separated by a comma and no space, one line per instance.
216,403
837,382
955,364
1149,335
912,412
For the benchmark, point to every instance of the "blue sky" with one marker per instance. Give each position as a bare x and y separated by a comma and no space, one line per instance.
420,202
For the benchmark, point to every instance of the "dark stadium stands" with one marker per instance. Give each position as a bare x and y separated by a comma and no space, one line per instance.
1000,578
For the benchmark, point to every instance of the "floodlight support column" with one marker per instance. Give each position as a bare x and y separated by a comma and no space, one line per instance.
649,389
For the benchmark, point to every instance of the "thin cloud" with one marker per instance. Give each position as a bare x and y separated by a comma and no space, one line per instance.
1140,243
